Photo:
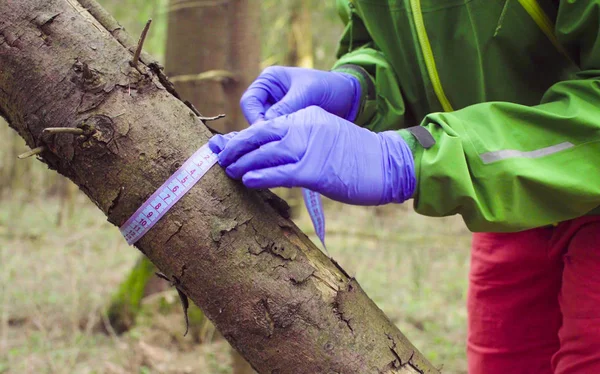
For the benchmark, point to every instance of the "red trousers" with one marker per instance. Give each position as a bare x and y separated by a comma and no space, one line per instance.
534,301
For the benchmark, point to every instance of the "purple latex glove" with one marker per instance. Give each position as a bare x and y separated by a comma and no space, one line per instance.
284,90
314,149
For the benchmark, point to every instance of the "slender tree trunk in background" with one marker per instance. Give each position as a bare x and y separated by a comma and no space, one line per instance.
8,159
213,54
244,52
300,38
126,303
67,195
232,63
14,175
273,295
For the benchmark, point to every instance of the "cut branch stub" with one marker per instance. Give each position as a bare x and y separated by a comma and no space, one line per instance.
140,45
34,152
63,130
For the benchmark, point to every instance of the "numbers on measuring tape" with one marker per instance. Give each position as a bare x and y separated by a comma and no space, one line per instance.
168,194
181,182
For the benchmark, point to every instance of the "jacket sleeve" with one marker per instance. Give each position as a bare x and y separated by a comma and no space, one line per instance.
509,167
382,105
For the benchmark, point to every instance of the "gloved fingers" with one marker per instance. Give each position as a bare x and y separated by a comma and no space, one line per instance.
266,90
254,104
250,139
218,142
293,101
269,155
278,176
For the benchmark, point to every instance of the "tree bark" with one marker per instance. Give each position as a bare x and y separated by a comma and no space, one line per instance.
273,295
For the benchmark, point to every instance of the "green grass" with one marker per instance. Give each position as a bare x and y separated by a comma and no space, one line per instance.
55,280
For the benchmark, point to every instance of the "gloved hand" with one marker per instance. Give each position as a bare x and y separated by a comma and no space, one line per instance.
284,90
314,149
219,142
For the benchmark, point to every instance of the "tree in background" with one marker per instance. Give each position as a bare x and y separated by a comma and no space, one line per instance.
213,54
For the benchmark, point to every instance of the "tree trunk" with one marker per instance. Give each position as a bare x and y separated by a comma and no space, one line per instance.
273,295
213,54
300,39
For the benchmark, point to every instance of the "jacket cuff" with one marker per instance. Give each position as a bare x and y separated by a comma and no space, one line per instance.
368,105
418,139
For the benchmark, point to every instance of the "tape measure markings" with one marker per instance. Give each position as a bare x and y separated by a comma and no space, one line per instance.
182,181
314,205
168,194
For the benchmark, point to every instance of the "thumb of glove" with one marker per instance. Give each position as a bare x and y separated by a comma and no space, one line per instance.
277,176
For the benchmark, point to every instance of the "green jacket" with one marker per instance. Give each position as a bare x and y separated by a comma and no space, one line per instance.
510,91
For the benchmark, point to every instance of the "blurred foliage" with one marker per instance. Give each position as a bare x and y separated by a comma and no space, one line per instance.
133,14
326,24
327,27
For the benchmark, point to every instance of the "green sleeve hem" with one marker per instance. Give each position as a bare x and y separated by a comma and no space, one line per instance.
413,144
368,105
417,151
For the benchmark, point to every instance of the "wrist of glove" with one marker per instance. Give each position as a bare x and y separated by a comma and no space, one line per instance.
314,149
279,91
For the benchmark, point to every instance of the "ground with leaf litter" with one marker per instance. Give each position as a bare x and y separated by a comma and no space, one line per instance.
414,268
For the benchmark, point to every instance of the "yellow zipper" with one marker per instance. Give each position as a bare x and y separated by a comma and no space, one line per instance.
535,11
428,55
532,7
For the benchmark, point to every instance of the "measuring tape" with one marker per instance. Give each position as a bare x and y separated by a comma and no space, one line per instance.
168,194
181,182
313,203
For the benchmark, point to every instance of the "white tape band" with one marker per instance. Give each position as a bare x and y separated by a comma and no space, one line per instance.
168,194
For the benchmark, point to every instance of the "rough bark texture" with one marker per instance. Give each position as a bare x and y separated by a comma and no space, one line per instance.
280,301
